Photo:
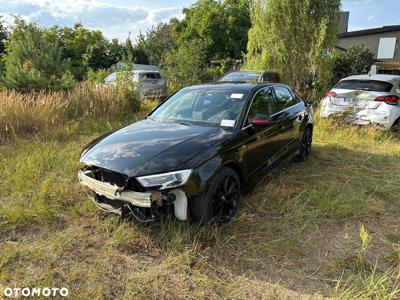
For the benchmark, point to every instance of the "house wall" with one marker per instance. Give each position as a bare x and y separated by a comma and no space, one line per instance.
372,41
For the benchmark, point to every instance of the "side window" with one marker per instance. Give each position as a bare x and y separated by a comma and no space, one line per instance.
263,103
284,97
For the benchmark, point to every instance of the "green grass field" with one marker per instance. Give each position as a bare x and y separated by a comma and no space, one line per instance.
328,227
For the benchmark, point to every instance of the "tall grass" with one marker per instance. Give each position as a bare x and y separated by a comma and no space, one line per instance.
328,226
32,112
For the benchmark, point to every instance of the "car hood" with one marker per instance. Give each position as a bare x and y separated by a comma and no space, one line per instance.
150,147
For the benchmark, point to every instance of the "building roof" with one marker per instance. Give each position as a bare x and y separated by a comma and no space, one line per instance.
370,31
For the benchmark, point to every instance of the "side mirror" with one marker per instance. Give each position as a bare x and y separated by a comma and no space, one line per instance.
261,120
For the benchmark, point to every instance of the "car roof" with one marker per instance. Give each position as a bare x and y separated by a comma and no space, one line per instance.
145,71
379,77
246,72
234,85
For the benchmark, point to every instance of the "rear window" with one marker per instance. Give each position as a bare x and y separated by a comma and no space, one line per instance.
365,85
150,76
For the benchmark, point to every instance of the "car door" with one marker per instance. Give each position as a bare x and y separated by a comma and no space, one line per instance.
291,115
261,144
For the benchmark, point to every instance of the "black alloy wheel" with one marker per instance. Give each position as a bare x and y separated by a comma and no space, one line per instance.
226,200
220,202
305,145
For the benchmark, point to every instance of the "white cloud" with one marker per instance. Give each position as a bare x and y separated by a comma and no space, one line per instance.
112,20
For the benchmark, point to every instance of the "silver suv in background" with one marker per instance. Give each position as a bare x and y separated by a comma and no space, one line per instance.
263,76
150,84
364,100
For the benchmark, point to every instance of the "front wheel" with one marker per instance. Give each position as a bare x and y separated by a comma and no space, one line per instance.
221,200
305,145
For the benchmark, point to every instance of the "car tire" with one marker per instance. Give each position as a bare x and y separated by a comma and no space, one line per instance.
305,145
219,203
396,127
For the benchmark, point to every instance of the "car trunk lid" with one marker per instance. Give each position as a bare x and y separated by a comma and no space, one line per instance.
356,99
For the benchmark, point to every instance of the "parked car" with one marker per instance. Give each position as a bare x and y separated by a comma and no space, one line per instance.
150,84
264,76
197,151
366,99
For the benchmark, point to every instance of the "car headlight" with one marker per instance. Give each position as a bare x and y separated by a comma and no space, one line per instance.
165,180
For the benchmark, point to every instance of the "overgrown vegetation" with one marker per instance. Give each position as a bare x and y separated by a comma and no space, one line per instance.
186,65
294,38
358,59
222,26
3,36
326,227
34,61
34,112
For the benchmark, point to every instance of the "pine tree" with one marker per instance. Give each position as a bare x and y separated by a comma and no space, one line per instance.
33,61
129,50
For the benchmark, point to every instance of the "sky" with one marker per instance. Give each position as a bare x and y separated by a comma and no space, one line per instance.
119,19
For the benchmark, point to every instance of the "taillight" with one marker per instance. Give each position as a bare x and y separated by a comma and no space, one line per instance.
389,99
330,94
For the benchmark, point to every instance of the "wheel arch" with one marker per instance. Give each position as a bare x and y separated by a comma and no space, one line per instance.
235,167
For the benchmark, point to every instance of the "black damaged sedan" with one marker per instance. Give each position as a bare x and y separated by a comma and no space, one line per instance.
196,153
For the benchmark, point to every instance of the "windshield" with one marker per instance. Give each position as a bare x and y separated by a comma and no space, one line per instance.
366,85
110,78
241,76
211,107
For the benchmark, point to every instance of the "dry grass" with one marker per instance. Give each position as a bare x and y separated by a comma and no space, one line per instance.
33,112
324,228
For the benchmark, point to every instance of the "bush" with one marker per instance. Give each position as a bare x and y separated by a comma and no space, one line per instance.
358,59
32,112
96,77
33,61
185,65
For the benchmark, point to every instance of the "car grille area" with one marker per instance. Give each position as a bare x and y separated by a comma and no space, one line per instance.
96,182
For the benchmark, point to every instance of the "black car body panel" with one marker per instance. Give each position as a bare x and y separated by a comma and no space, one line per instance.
152,147
138,149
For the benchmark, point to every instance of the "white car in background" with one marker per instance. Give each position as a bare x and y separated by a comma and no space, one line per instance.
150,83
364,100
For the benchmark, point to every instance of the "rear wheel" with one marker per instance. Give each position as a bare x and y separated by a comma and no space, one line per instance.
305,145
221,200
396,127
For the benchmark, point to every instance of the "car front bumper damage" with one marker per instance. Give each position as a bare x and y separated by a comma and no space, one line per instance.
142,205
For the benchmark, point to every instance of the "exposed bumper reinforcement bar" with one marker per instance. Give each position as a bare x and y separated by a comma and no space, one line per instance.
112,191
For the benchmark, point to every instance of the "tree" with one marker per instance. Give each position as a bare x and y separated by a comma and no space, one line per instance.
221,25
115,52
185,65
3,37
34,61
128,50
294,38
86,49
358,59
157,41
